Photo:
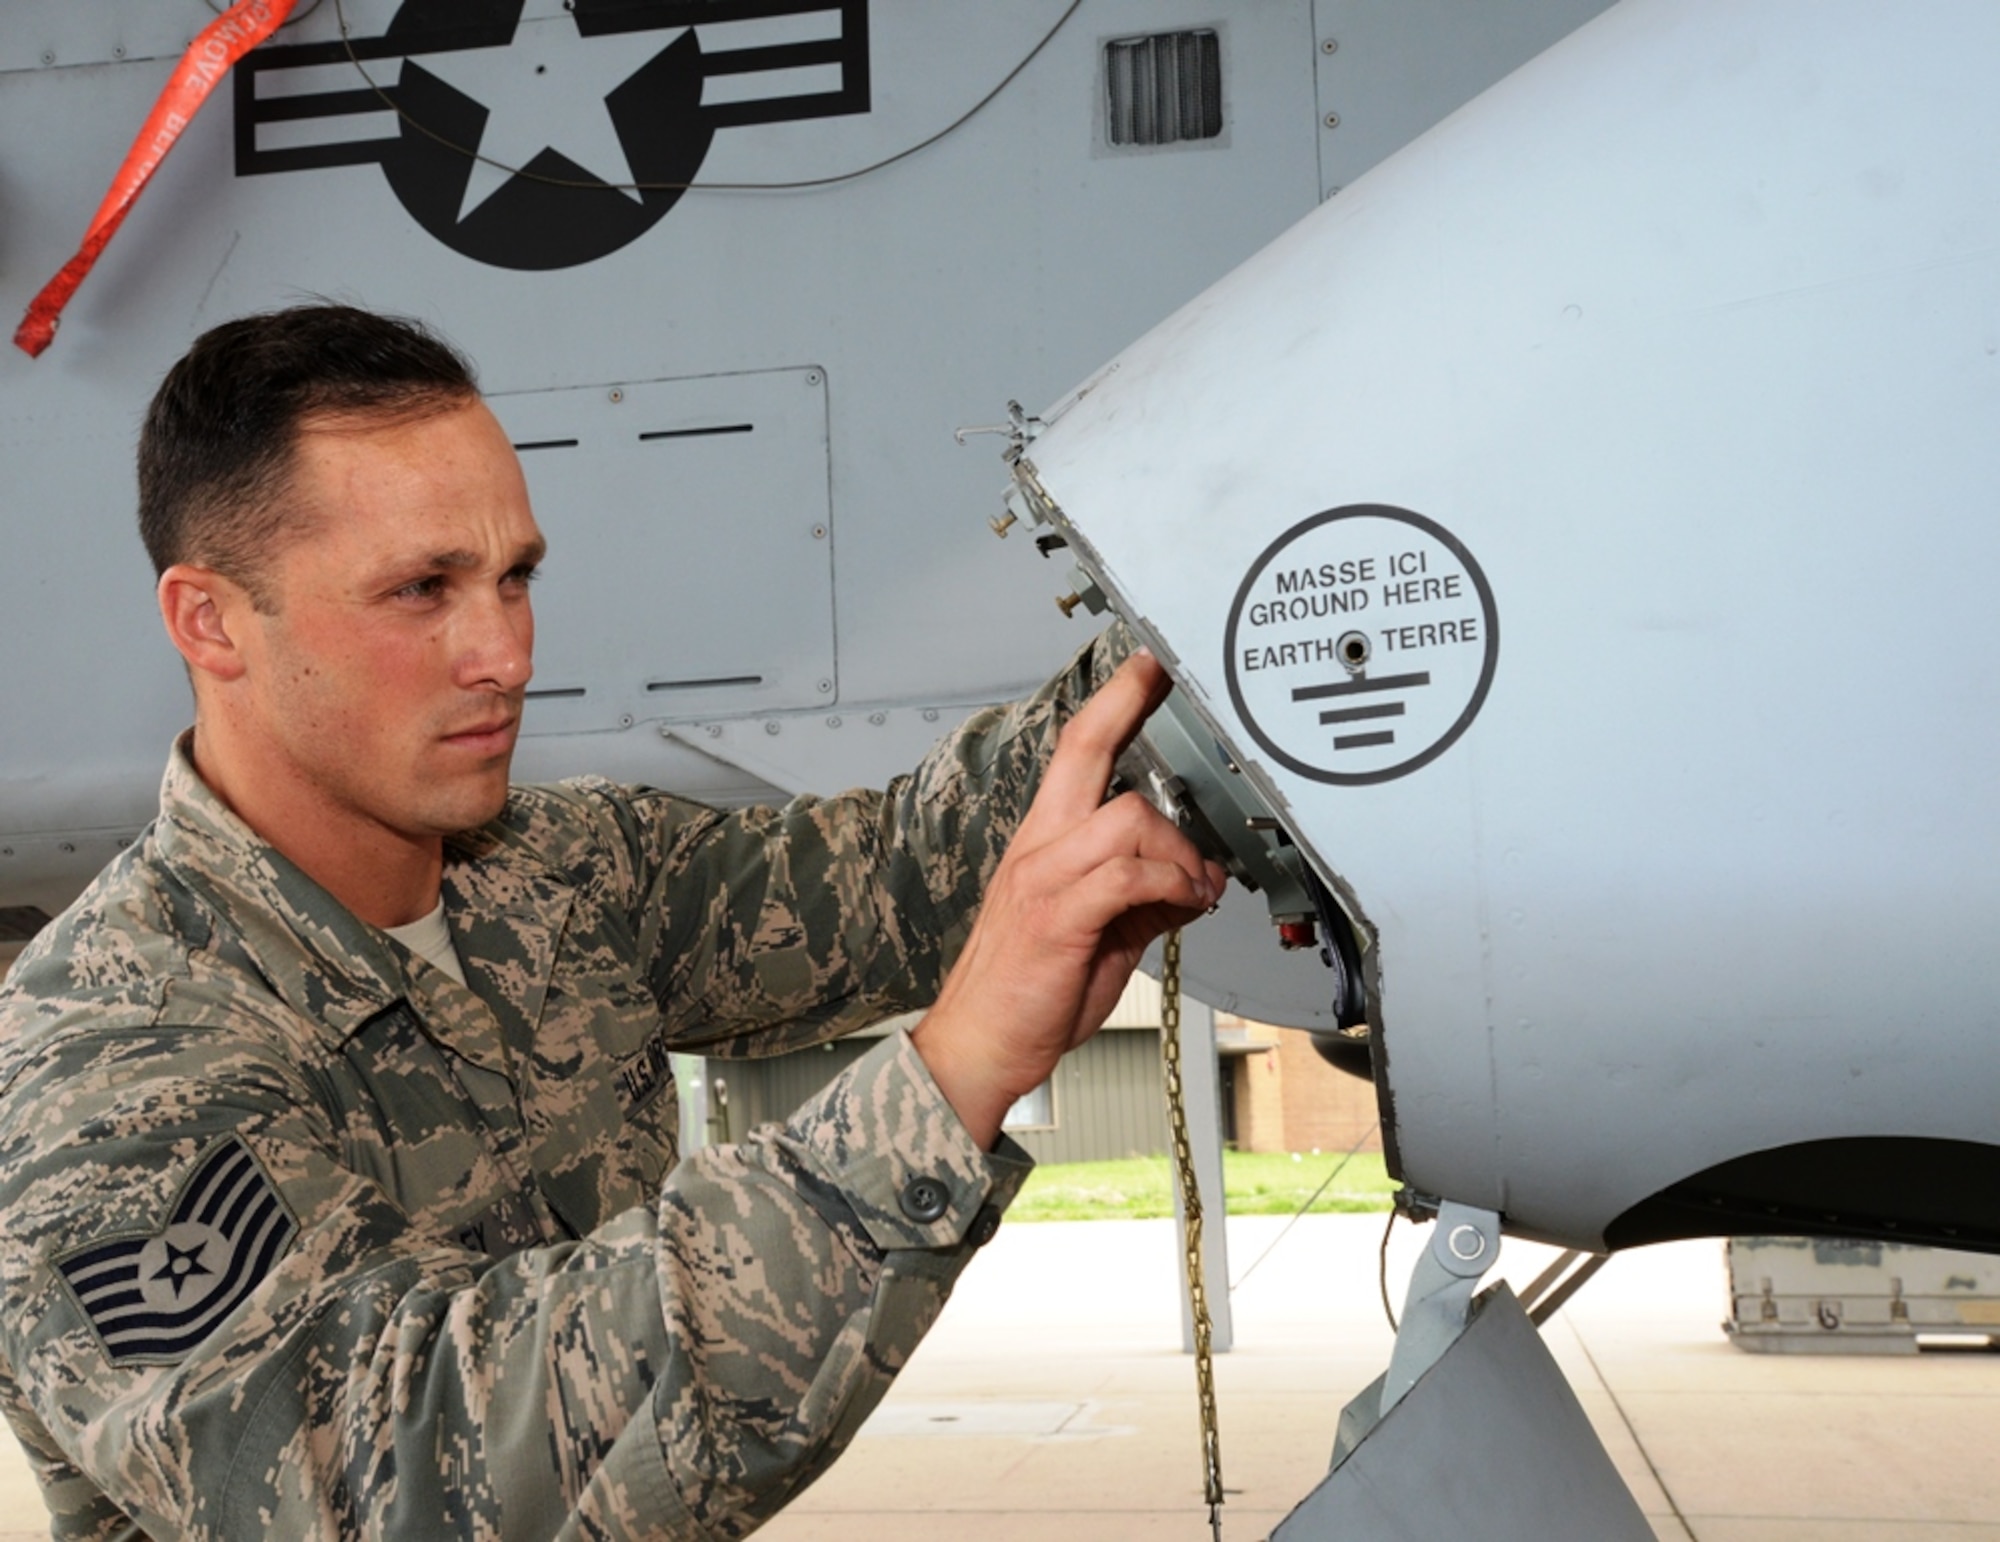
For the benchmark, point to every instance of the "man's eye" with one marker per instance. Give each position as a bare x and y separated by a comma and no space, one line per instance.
422,589
523,576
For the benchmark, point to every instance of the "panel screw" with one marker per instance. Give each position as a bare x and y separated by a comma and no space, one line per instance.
771,726
812,377
833,722
715,730
878,718
819,532
49,57
1329,45
118,52
67,848
616,394
1333,120
624,720
6,851
930,714
825,687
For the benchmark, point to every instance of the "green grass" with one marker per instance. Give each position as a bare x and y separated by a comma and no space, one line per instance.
1256,1183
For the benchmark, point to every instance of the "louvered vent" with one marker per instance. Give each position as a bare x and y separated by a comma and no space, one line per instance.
1163,89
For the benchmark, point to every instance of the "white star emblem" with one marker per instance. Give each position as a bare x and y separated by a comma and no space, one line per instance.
545,90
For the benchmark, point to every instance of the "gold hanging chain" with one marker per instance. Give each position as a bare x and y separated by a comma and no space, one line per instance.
1204,1364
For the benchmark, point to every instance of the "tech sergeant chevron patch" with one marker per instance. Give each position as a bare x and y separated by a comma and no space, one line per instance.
155,1297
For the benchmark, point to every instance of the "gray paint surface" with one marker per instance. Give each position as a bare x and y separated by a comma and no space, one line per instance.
1685,333
1000,263
1491,1443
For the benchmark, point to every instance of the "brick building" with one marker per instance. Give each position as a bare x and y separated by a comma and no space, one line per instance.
1279,1095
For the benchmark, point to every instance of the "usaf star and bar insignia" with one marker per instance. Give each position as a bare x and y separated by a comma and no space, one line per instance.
530,135
153,1298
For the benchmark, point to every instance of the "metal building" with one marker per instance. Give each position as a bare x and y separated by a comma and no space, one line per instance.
1107,1099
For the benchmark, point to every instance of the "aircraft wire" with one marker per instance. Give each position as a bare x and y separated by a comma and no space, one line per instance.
1311,1200
388,101
1382,1275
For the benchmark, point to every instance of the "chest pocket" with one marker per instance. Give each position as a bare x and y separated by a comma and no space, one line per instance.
441,1135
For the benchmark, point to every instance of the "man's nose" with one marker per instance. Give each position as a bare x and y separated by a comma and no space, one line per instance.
499,650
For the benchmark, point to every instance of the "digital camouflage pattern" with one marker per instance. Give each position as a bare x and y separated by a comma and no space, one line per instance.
495,1307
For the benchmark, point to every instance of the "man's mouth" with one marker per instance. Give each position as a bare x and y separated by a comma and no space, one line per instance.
492,733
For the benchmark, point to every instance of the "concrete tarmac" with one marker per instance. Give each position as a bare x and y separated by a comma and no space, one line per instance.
1052,1403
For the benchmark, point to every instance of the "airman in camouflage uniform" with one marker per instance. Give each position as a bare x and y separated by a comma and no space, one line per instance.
305,1238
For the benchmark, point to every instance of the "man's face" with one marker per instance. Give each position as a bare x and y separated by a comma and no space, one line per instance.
386,684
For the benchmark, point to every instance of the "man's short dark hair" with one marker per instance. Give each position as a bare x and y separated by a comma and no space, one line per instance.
216,452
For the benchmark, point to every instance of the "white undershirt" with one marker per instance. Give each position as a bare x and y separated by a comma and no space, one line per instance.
429,938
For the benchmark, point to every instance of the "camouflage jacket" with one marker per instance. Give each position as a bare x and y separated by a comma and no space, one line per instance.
304,1239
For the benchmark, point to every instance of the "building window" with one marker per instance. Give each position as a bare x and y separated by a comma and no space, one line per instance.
1036,1111
1163,89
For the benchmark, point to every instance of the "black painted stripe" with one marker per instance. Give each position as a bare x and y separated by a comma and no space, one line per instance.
1362,714
701,685
699,433
1358,687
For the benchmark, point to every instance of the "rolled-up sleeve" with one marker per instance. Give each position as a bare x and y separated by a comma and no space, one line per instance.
764,930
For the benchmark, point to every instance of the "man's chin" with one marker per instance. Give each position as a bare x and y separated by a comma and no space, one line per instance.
468,807
488,807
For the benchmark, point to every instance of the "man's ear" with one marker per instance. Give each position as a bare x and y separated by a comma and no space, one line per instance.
204,612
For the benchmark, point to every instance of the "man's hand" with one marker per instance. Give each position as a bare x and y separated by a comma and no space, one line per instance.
1084,887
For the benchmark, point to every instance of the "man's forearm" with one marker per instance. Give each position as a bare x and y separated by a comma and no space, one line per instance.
1084,887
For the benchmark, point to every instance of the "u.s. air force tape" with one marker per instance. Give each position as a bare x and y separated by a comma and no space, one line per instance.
155,1297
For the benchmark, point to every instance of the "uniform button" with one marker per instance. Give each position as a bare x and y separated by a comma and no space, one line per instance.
925,1200
984,1225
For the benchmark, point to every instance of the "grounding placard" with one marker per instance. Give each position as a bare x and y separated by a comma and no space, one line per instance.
1361,644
